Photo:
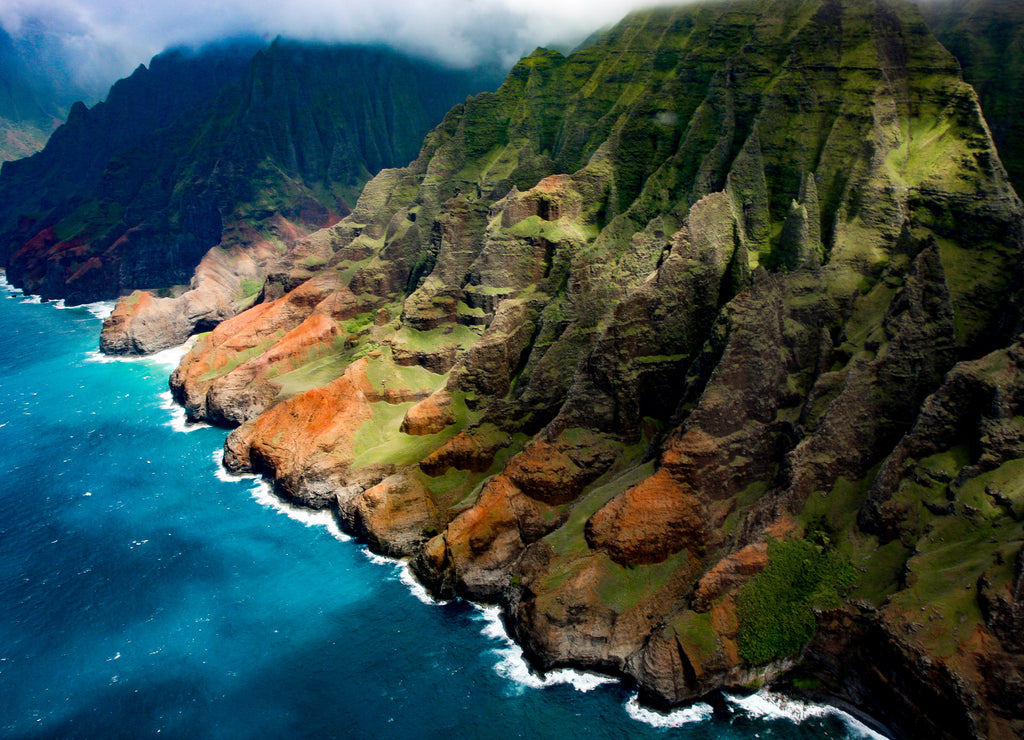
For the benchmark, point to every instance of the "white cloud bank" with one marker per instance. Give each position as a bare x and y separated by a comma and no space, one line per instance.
107,38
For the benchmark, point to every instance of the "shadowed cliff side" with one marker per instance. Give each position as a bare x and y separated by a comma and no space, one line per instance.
661,346
214,149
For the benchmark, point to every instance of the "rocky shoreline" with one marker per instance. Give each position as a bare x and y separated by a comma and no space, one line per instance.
705,365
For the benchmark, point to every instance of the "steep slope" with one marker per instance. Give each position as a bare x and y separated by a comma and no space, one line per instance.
57,212
664,346
29,111
987,37
220,148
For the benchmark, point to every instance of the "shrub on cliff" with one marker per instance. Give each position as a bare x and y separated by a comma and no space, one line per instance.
776,607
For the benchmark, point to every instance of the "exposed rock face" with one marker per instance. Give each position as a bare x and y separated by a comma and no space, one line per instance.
395,515
429,416
143,323
655,519
309,463
647,350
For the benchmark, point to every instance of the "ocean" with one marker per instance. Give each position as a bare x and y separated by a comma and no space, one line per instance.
147,592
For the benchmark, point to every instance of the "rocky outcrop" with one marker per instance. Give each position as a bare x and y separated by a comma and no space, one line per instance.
701,363
211,383
396,516
429,416
143,323
309,463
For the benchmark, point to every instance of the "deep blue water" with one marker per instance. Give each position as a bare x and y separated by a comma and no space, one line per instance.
146,592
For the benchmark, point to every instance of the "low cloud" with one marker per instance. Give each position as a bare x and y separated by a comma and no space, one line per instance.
101,40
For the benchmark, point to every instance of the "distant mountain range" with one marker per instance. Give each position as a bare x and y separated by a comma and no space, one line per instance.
31,104
223,146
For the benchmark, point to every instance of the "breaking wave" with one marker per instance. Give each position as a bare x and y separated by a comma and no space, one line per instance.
512,664
769,706
675,718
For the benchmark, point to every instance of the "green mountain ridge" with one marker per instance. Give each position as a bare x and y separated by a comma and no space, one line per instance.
30,109
987,37
696,350
215,148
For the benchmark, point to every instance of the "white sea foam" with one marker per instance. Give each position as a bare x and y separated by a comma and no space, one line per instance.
179,419
263,493
100,309
512,664
675,718
766,705
97,356
225,475
415,587
404,574
169,358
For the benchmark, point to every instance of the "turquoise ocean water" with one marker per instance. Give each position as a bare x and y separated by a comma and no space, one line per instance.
146,592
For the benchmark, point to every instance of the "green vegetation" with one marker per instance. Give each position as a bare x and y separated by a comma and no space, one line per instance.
987,37
90,219
626,587
776,607
379,440
251,287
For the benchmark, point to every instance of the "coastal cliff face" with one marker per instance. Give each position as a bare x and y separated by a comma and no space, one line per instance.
697,350
221,159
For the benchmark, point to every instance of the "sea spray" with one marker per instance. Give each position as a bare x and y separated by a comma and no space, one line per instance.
100,309
512,664
766,705
695,713
179,418
262,492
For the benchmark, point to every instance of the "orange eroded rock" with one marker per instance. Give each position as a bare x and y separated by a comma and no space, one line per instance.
246,391
394,515
465,451
544,472
484,542
261,326
649,522
429,416
729,572
305,442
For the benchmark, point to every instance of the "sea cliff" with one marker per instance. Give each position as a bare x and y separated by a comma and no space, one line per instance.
696,350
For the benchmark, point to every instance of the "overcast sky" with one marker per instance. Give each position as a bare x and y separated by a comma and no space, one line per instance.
106,39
